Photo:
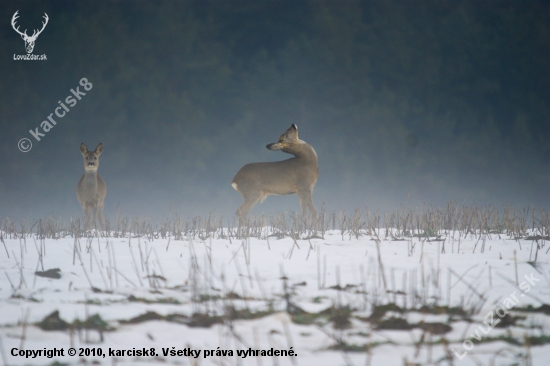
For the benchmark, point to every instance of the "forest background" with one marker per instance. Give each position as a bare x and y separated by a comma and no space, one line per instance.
405,102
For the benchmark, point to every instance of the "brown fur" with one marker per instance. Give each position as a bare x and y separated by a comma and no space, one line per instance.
299,174
91,189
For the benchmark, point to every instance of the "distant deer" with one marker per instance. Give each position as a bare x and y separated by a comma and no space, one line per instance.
299,174
91,189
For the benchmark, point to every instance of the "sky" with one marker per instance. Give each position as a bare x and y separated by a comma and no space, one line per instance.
405,103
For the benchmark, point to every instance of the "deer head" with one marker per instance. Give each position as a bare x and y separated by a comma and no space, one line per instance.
29,40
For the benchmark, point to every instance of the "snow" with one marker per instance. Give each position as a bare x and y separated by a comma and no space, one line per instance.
179,278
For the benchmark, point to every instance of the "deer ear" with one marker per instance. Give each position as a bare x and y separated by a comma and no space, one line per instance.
99,148
83,148
275,146
293,131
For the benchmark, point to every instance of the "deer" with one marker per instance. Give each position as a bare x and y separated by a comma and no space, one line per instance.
29,40
256,181
91,189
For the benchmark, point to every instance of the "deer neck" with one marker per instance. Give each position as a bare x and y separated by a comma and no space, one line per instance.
304,152
90,178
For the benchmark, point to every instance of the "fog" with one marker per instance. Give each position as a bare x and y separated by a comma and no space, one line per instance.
405,103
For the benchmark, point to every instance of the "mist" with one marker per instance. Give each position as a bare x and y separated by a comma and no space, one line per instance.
406,103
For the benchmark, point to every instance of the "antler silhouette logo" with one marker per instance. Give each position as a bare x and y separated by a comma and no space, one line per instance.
29,40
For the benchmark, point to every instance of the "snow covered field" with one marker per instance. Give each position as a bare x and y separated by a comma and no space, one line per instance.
356,296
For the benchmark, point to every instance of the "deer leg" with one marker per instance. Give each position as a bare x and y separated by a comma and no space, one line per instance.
247,205
306,203
86,209
250,200
93,220
99,217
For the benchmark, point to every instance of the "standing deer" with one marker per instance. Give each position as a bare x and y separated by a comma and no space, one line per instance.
299,174
91,189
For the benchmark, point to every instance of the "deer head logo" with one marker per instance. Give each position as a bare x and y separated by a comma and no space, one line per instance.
29,40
